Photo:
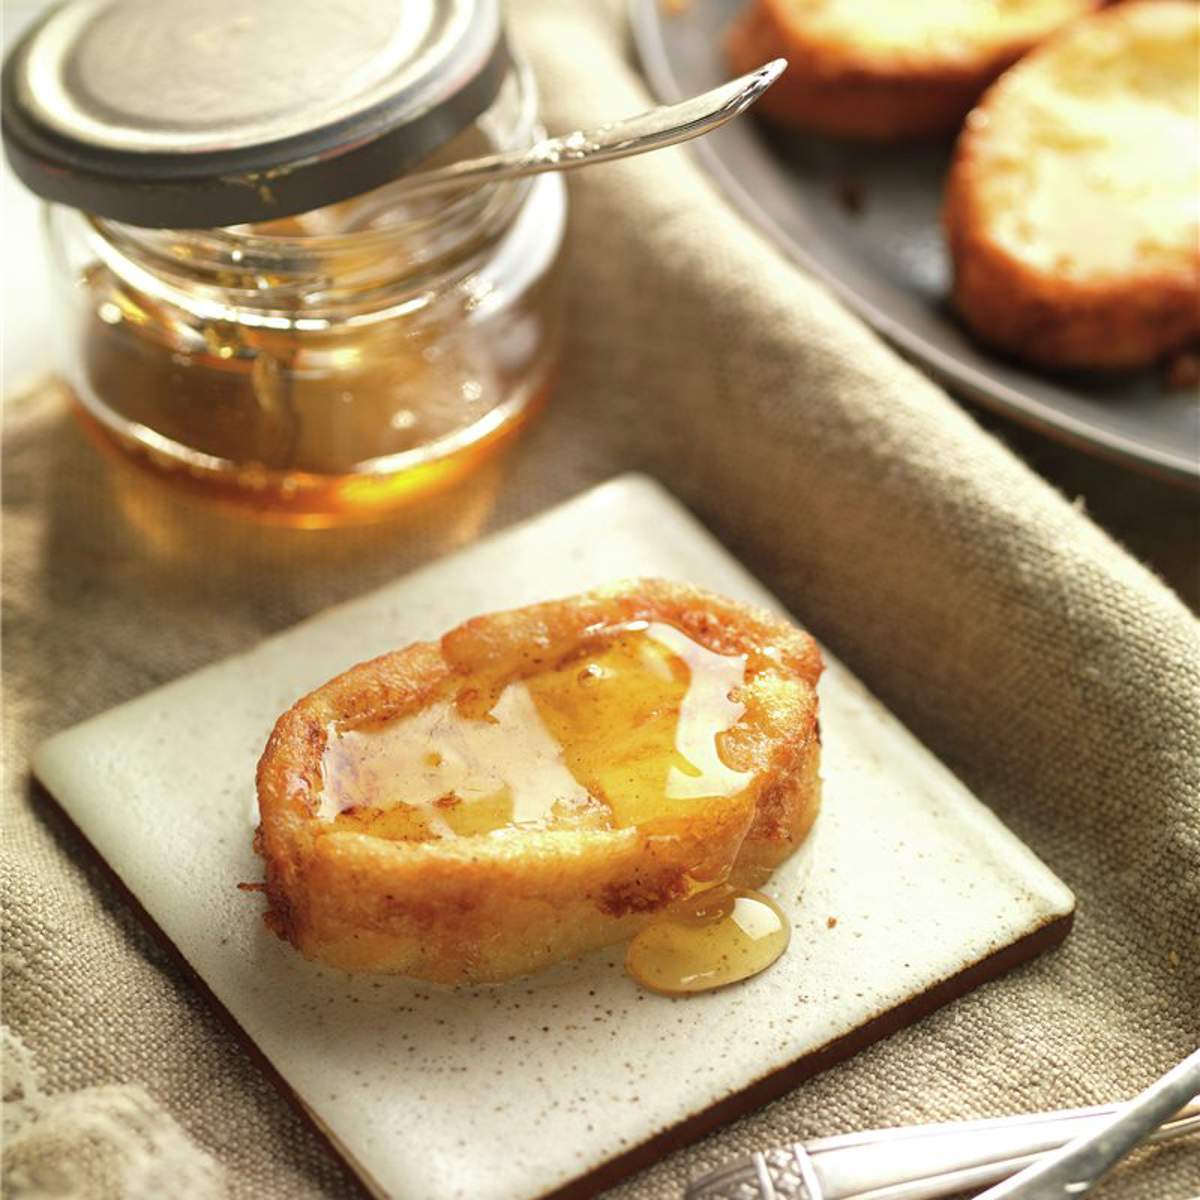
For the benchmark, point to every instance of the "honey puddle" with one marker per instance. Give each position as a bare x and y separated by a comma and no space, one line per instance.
626,728
720,936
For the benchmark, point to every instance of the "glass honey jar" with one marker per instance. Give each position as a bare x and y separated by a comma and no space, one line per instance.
251,306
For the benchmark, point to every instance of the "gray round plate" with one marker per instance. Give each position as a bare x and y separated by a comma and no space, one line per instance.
865,219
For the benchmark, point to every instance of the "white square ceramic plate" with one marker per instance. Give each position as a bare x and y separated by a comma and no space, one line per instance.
563,1081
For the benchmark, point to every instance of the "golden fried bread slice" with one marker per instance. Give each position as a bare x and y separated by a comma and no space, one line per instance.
887,69
538,783
1072,206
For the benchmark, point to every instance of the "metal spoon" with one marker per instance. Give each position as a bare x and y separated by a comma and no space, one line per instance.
664,126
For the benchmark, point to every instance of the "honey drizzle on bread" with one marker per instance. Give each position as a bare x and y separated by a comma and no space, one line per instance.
388,885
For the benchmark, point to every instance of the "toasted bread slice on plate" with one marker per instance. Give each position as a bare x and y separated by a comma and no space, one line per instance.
888,69
539,783
1072,210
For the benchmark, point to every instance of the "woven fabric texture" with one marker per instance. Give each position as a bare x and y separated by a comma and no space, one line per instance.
1059,677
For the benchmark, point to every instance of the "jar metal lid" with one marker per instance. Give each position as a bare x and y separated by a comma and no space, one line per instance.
200,113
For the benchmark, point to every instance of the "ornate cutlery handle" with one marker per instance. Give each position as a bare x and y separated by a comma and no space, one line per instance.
917,1162
1075,1168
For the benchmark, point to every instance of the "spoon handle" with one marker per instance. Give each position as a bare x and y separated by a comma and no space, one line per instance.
663,126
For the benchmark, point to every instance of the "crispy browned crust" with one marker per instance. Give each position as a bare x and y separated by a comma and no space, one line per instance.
1054,321
480,909
851,92
1047,317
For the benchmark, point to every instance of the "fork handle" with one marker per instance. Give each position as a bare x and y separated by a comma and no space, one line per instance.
915,1162
1074,1169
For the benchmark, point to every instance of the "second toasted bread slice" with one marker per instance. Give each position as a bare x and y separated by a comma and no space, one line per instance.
888,69
1072,206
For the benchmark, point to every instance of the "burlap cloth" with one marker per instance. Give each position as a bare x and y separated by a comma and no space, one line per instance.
1058,676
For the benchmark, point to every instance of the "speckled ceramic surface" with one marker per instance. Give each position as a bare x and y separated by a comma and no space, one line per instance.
914,892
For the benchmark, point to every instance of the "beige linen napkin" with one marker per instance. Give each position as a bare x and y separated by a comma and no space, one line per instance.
1047,667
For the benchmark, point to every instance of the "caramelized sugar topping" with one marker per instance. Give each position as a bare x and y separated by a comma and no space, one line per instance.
623,728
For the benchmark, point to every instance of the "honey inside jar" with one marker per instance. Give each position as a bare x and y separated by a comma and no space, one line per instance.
328,366
625,730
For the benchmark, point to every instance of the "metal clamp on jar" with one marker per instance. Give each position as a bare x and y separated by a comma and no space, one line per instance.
246,309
